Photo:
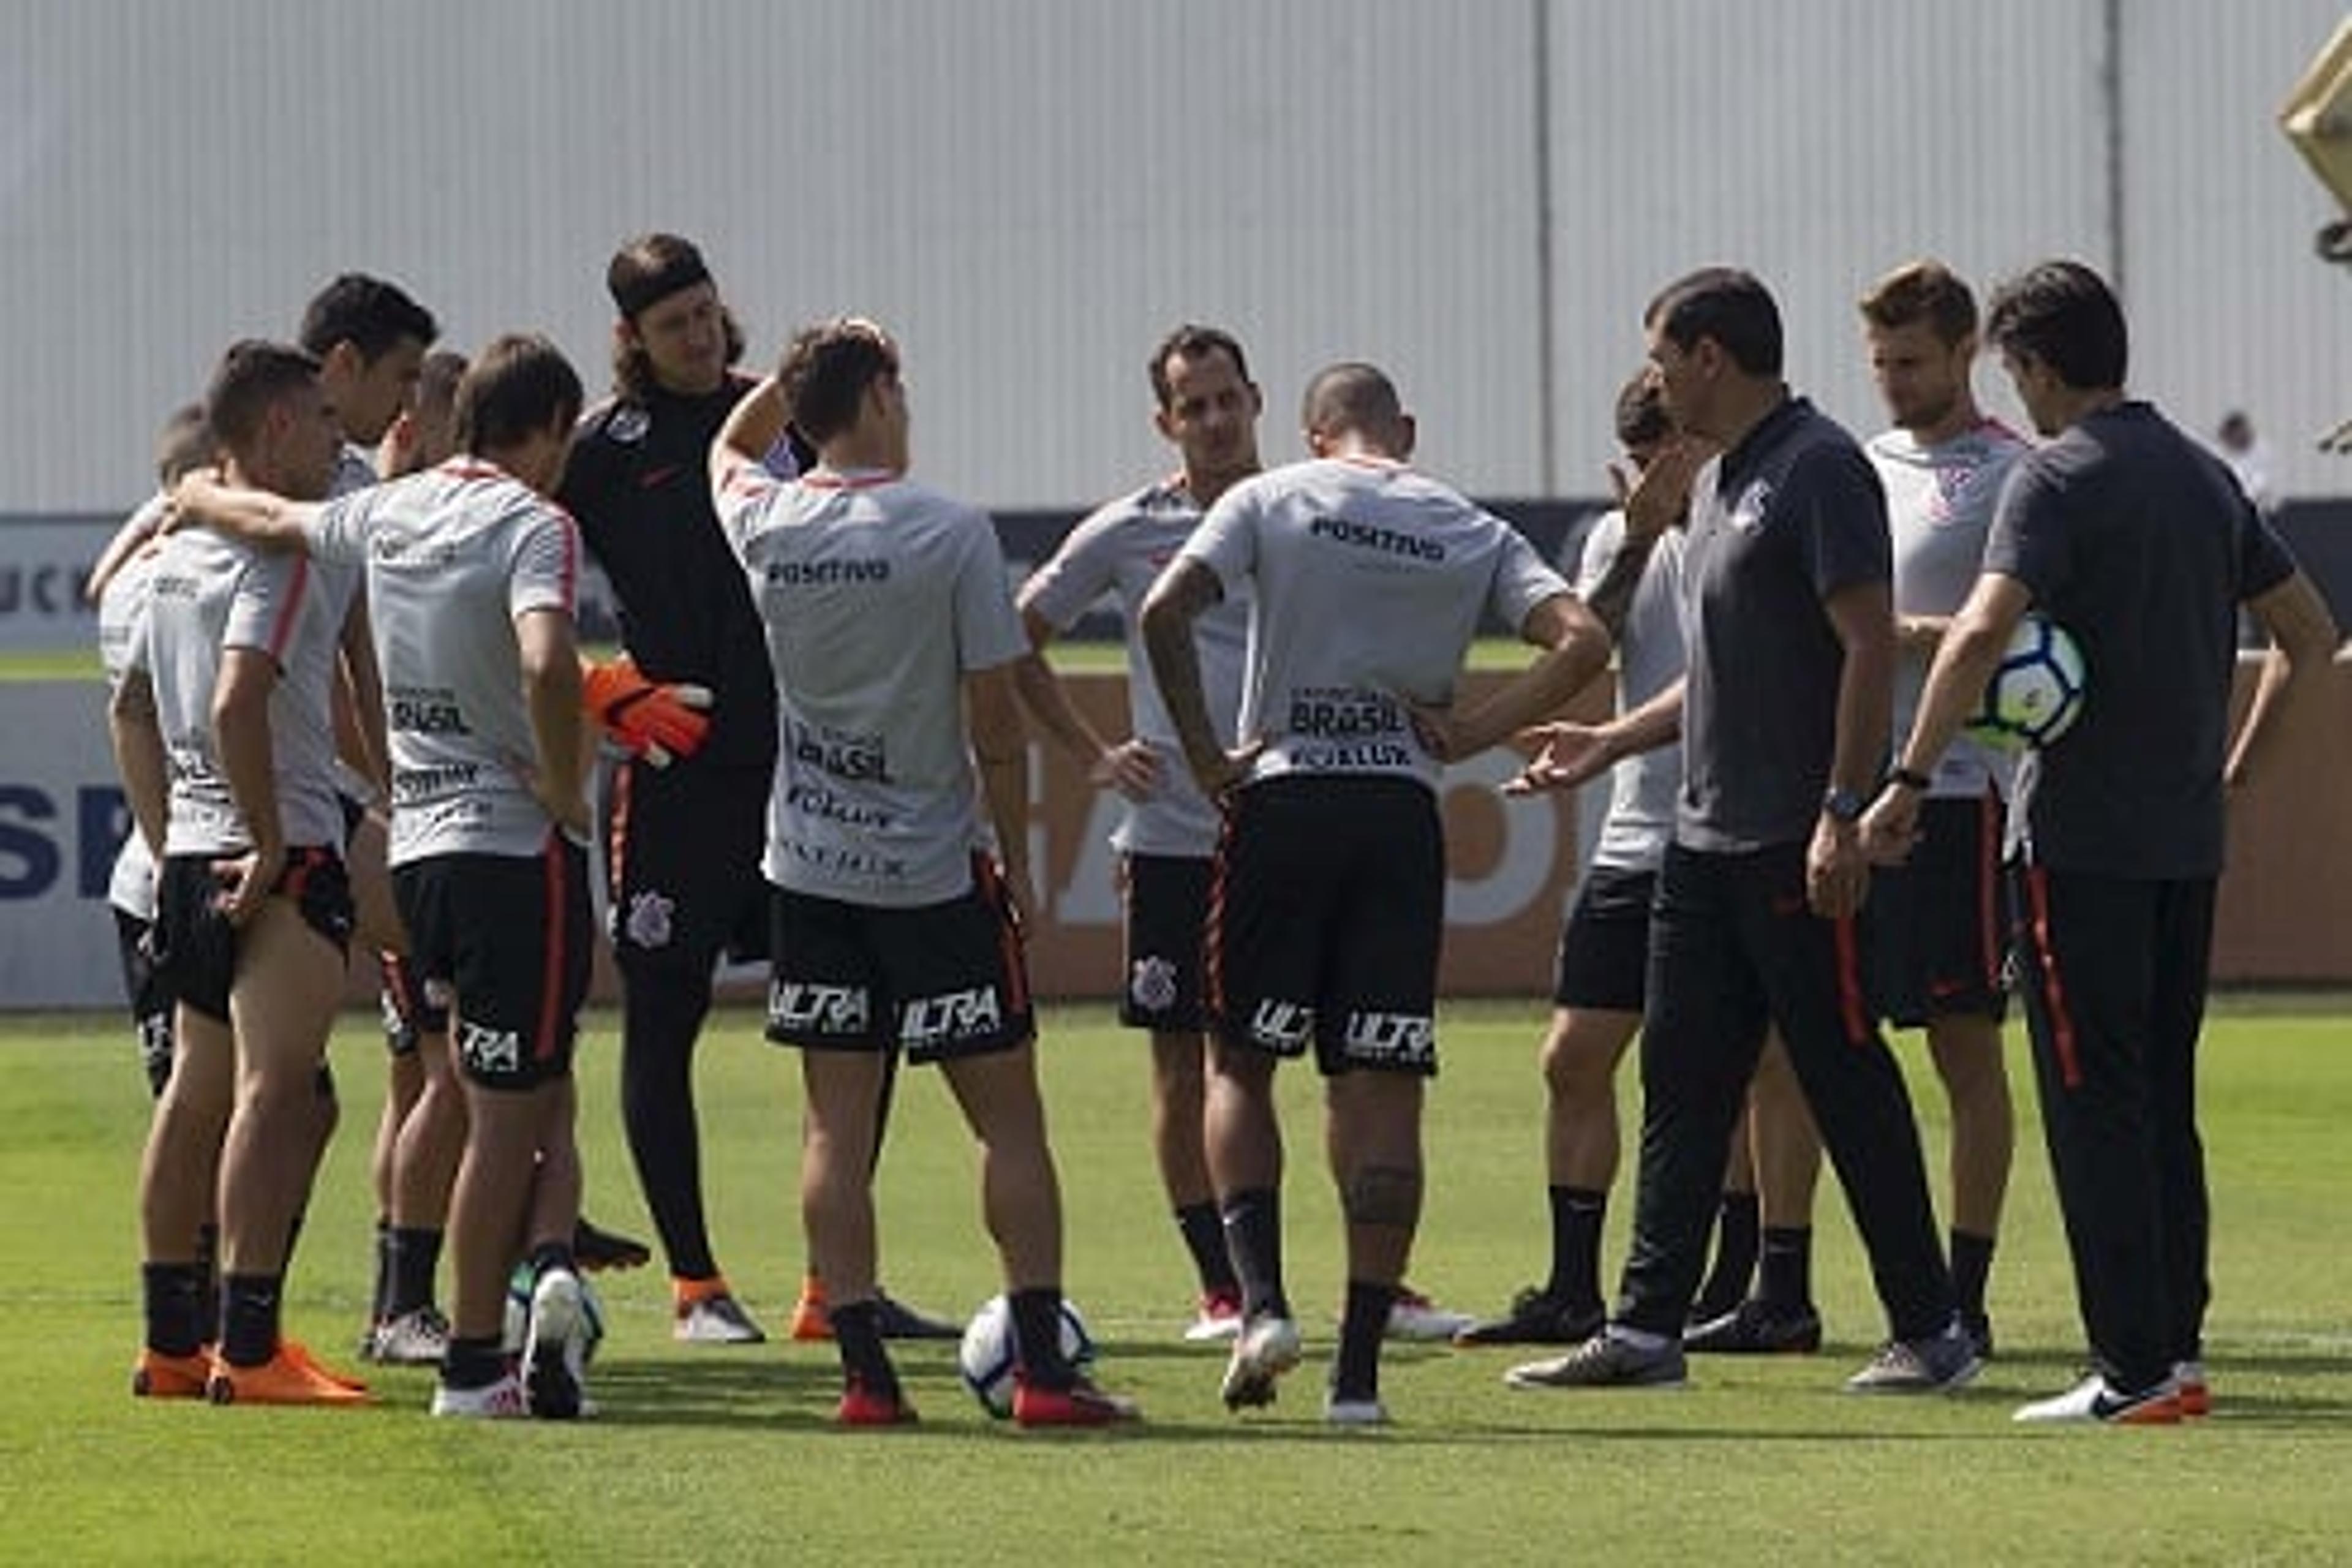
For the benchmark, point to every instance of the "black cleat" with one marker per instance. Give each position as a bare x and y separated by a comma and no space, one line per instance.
1758,1328
1537,1317
595,1248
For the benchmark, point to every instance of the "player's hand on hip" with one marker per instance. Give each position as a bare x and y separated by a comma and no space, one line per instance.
1131,767
246,880
1566,755
1890,829
1837,873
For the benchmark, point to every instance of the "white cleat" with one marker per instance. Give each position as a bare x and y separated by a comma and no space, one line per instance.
1266,1348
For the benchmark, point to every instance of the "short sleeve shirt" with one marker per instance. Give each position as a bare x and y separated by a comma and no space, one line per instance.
878,596
1641,789
1121,549
206,595
1779,525
1369,582
2140,542
121,622
454,555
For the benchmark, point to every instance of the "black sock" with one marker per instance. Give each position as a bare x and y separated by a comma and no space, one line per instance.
473,1363
249,1317
1577,1213
550,1255
857,1334
381,1306
1357,1374
1971,1265
1784,1275
173,1294
415,1253
1253,1222
208,1284
1735,1257
1037,1338
1204,1238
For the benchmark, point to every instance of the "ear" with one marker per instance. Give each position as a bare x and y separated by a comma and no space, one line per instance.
1165,423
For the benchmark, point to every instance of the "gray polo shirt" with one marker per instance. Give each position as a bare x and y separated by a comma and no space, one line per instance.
1778,525
2137,540
1641,789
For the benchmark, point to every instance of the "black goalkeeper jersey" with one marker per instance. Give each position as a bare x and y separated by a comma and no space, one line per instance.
638,483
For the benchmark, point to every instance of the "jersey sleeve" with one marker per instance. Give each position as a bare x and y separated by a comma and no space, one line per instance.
743,500
337,532
122,623
1601,542
545,572
987,628
268,603
1078,573
2029,539
1843,510
1226,541
2263,560
1522,580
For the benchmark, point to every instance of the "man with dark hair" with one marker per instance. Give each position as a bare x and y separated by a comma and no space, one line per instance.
1789,637
472,575
1932,937
2118,523
896,907
370,339
1367,581
223,729
1207,408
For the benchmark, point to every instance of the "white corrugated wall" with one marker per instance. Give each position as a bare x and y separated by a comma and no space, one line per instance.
1031,190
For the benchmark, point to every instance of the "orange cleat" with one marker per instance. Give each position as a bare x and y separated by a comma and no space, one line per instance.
156,1375
283,1379
811,1320
300,1353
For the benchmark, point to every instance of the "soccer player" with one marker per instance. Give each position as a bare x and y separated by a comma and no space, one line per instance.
371,341
682,839
225,731
1367,581
1932,936
1789,631
2120,523
118,585
471,571
896,926
1629,577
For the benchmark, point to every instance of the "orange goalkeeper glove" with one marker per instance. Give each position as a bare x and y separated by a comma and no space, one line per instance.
657,720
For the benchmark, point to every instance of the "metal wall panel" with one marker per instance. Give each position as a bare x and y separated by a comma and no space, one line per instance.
1032,190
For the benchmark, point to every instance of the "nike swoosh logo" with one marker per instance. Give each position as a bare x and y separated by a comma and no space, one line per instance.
661,476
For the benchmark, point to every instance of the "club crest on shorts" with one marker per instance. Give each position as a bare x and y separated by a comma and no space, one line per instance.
1151,985
648,925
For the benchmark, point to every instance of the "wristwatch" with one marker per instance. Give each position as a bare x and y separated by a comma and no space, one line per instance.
1843,805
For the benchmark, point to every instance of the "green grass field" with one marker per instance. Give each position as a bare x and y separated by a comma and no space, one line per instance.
725,1456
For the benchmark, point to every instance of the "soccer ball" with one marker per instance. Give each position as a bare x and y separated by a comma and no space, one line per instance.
518,1324
2036,692
987,1355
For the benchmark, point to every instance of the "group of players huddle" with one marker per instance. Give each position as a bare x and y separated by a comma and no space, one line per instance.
348,700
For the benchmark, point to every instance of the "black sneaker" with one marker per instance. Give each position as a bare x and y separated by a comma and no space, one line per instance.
1979,1328
1757,1327
898,1321
1604,1361
1537,1317
594,1248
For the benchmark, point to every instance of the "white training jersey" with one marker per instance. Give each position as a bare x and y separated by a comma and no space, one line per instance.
878,596
1939,507
1641,789
207,593
1369,582
122,608
1121,549
455,555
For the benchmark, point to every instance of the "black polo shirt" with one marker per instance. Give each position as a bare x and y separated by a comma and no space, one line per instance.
2137,540
1778,525
638,482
